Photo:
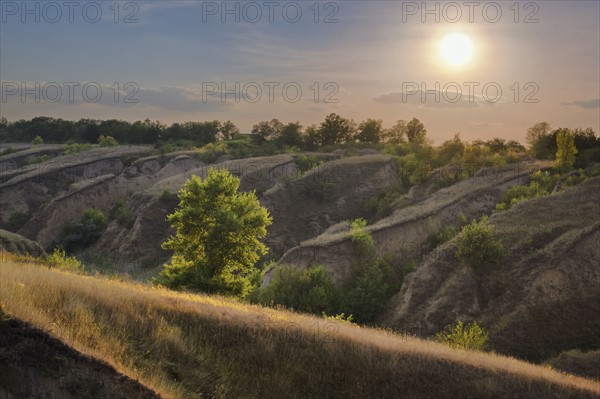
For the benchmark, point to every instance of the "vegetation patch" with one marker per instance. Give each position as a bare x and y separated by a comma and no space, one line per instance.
476,245
84,231
464,336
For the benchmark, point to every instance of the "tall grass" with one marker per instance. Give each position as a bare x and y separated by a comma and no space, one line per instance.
194,346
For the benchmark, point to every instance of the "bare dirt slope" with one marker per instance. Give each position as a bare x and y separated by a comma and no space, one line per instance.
549,279
404,233
35,365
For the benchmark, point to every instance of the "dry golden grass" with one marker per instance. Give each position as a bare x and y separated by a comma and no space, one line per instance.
193,346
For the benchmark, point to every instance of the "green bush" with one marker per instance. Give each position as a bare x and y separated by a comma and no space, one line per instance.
441,236
576,178
212,151
361,238
470,336
477,246
37,159
60,260
304,163
310,290
369,291
107,141
17,220
165,196
541,184
84,231
37,140
123,215
74,148
371,283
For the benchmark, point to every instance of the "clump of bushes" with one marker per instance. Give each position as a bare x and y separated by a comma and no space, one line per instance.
371,283
310,290
477,246
37,140
60,260
123,215
304,163
37,159
165,196
361,238
74,148
461,336
212,151
542,183
83,231
16,220
107,141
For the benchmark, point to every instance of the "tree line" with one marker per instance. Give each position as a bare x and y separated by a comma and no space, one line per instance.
541,138
335,129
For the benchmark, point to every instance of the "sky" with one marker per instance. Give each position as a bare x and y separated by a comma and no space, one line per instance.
249,61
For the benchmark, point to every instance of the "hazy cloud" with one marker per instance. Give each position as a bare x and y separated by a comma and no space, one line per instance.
433,99
588,104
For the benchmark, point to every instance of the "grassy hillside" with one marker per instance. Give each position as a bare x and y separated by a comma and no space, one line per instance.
195,346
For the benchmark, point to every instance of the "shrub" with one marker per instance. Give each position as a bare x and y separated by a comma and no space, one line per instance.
470,336
37,140
60,260
123,215
212,151
84,231
441,236
17,220
369,291
165,196
361,238
107,141
37,159
576,178
310,290
338,317
541,184
370,285
304,163
477,246
74,148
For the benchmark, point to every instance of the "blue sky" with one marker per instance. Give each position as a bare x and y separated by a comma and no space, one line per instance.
364,59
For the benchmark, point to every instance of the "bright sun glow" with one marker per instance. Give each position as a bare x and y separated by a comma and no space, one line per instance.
456,49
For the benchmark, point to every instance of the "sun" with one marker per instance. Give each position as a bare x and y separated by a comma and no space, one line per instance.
456,49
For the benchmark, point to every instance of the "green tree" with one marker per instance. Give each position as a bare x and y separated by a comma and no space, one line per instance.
37,140
291,135
416,132
536,132
228,130
566,152
218,236
267,130
311,138
396,134
335,129
370,131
